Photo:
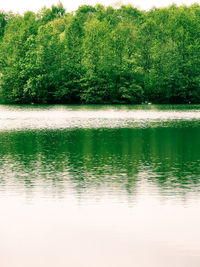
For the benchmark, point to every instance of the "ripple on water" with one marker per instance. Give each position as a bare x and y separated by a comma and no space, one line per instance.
66,117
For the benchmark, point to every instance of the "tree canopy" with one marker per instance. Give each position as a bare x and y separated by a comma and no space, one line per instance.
101,54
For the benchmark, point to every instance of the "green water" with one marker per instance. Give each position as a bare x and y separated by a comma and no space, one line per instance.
100,186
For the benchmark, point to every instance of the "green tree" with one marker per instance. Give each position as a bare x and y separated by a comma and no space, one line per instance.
13,53
101,55
97,62
45,64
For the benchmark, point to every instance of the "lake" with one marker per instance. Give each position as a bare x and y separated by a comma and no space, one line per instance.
100,186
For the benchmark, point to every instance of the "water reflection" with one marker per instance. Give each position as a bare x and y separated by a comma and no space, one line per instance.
117,186
90,161
72,117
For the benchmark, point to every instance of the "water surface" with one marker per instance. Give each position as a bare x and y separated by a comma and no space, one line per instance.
101,186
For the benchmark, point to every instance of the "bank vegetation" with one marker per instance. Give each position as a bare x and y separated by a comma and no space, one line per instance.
101,55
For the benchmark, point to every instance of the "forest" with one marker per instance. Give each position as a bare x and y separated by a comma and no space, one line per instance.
100,55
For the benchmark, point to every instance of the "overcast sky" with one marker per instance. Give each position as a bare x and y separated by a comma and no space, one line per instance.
34,5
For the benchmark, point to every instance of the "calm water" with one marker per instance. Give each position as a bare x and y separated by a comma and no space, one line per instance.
100,186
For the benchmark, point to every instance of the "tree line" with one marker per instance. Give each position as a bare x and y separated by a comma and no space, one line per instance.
101,55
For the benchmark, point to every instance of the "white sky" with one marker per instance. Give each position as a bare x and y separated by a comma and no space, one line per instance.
34,5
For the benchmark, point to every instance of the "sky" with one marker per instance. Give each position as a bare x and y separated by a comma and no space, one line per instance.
20,6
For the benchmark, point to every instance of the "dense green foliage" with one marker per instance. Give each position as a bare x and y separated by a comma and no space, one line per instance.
101,55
